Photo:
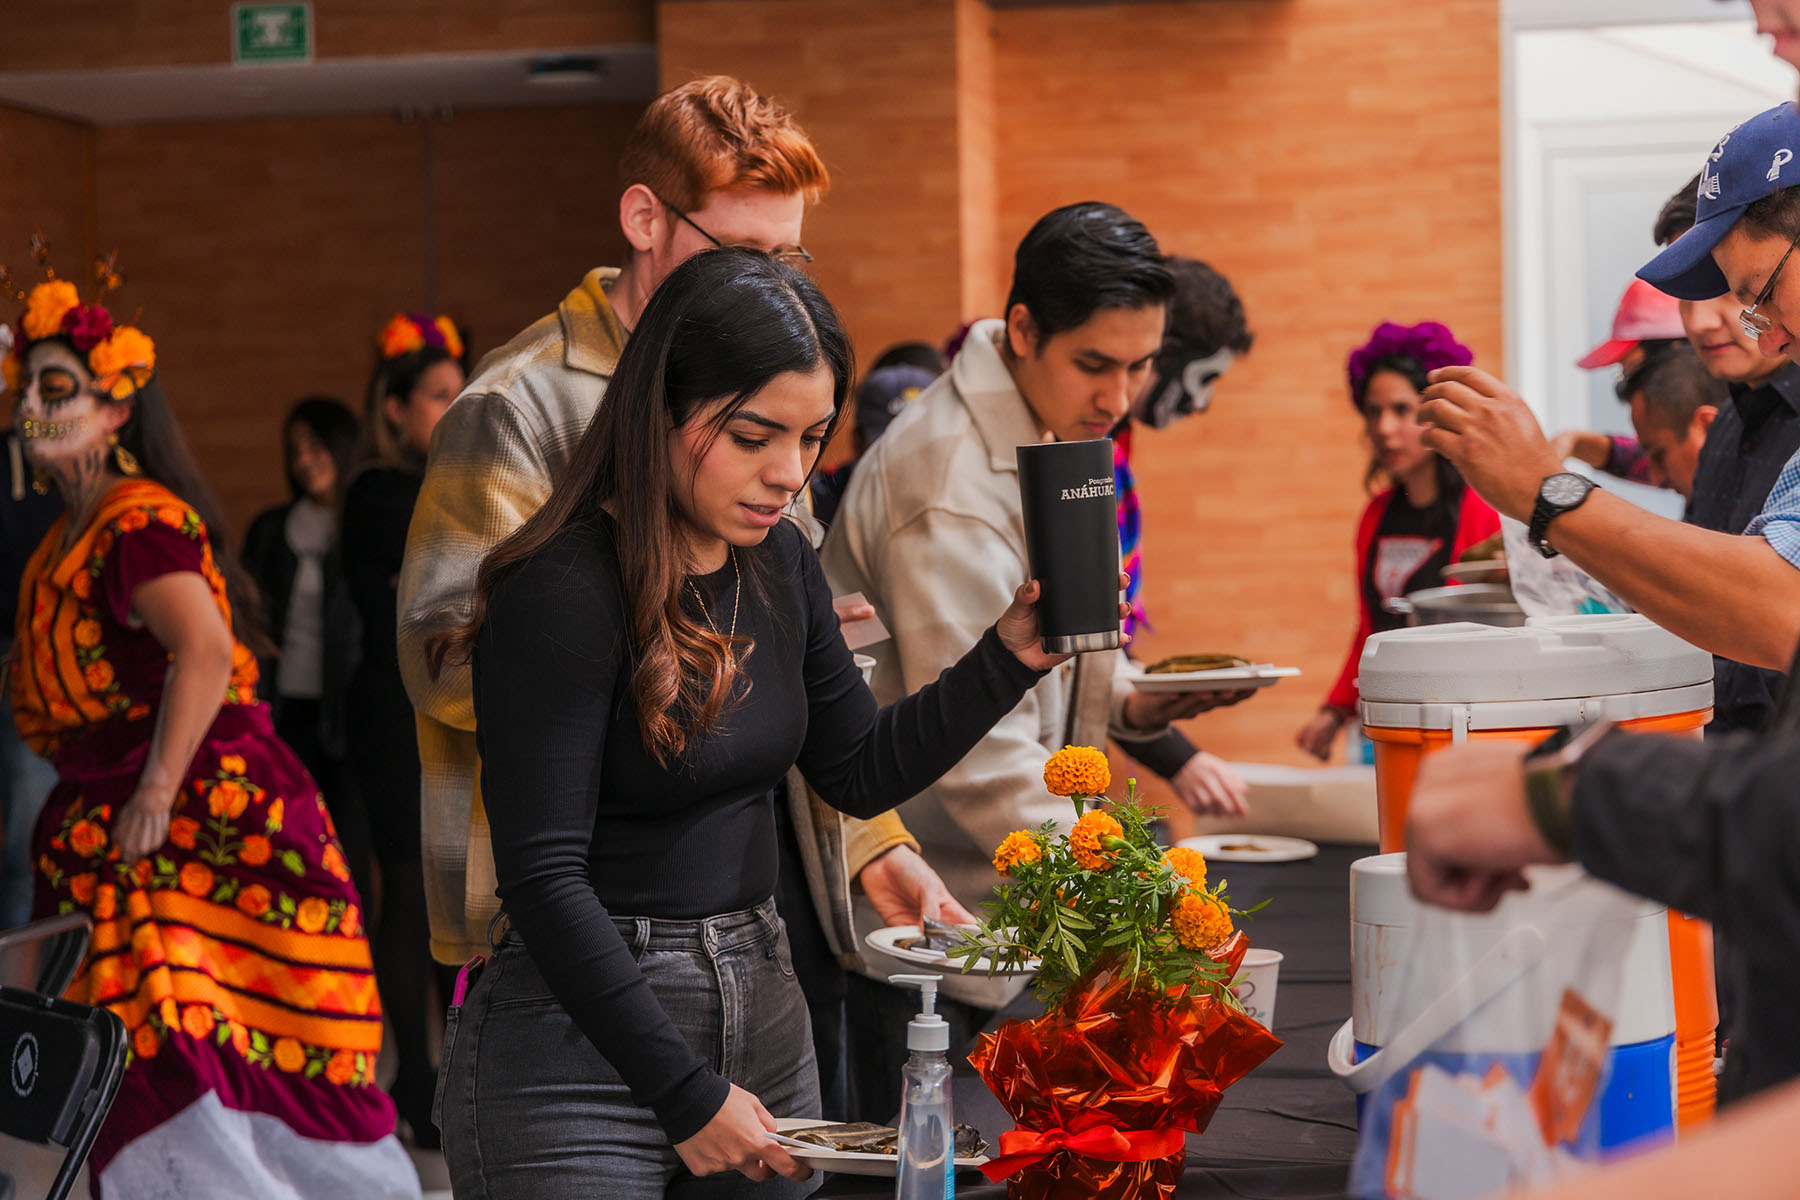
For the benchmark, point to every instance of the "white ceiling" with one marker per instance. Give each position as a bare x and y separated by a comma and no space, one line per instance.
330,88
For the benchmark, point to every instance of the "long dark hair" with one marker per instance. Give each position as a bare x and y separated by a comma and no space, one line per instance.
331,421
152,436
716,332
1446,510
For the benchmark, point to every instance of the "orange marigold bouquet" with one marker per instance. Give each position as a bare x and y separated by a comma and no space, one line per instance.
1134,952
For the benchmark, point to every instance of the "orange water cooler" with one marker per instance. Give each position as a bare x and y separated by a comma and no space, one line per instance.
1435,685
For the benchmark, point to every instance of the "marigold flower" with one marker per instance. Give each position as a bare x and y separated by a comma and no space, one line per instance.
1201,922
351,922
333,861
312,915
197,1021
233,764
290,1056
240,1038
126,347
1188,863
1017,849
256,850
82,886
99,675
87,839
87,633
1087,839
228,799
145,1042
196,879
274,821
452,337
46,306
1077,771
133,520
400,336
342,1067
253,901
182,831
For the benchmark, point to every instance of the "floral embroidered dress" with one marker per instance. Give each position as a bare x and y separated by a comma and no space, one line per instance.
235,953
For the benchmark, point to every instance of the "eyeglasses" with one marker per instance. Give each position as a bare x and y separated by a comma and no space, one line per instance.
793,255
1754,323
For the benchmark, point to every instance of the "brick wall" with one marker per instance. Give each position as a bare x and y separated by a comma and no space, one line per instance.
44,188
267,254
875,86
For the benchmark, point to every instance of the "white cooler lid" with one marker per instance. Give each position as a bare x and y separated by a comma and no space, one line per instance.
1548,658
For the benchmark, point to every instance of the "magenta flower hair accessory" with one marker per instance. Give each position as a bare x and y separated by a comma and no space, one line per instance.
1429,343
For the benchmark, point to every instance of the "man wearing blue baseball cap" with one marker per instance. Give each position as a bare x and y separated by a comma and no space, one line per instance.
1735,595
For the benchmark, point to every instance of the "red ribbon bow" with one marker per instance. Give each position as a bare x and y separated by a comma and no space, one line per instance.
1020,1148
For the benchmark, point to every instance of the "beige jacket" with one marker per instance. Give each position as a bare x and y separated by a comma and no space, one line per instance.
931,531
494,457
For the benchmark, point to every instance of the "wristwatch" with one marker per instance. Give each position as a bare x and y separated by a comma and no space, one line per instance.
1548,769
1562,492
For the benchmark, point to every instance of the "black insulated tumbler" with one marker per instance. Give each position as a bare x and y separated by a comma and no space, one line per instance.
1072,542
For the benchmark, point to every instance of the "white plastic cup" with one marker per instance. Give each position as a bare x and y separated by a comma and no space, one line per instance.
866,665
1254,985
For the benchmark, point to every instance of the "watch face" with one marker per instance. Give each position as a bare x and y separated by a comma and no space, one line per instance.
1565,489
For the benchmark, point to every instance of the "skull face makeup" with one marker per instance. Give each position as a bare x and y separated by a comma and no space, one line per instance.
62,423
1181,385
57,406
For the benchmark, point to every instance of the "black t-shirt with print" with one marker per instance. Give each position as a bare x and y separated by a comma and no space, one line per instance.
1409,553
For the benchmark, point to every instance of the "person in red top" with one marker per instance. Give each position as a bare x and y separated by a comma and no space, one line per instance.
1424,517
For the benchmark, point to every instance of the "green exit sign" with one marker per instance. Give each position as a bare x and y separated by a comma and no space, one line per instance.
271,33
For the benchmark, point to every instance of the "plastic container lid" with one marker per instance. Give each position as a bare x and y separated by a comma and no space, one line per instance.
1407,675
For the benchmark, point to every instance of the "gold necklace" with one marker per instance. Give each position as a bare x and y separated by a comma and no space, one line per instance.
736,591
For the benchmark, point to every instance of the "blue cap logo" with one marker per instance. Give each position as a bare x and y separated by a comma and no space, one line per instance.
1743,168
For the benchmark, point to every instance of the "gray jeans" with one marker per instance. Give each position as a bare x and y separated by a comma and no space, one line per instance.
530,1110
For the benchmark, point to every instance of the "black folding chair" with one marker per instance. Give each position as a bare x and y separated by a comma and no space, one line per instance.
63,1062
44,956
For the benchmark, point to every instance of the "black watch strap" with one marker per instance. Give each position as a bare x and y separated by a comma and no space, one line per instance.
1562,492
1546,787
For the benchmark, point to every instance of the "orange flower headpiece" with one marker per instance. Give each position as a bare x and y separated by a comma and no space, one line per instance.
121,357
408,333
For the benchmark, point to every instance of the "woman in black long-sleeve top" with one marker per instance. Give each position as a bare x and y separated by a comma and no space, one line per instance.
653,650
419,371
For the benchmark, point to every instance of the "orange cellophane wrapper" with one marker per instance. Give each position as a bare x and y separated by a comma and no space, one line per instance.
1105,1086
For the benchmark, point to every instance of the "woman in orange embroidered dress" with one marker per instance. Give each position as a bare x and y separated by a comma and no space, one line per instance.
227,934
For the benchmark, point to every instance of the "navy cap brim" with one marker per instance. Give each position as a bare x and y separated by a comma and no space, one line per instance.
1685,269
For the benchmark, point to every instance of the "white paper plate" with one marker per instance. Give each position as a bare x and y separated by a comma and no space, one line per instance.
888,940
845,1162
1226,679
1486,570
1251,847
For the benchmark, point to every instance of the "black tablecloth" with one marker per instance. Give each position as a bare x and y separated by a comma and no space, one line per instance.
1287,1131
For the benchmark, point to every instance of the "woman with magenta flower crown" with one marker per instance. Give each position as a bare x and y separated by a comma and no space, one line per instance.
1421,520
419,369
227,935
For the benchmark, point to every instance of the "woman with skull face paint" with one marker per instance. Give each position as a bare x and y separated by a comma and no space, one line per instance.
1426,516
227,935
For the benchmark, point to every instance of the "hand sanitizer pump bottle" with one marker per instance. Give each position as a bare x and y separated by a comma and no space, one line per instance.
927,1129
